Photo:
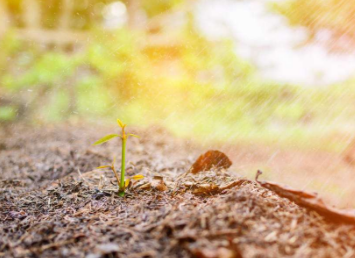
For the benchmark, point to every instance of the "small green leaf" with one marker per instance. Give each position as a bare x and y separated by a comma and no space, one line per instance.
130,134
105,139
119,122
137,177
103,167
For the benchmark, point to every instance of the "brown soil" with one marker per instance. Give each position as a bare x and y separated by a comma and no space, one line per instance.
52,206
315,170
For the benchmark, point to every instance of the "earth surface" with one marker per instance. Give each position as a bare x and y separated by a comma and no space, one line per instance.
54,203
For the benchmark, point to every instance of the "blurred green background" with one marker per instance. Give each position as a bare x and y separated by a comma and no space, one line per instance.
147,62
270,82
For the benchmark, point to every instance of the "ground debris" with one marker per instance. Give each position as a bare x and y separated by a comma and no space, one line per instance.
310,201
52,208
158,183
211,159
211,182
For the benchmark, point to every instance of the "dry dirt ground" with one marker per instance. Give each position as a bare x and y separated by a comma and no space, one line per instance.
53,204
314,170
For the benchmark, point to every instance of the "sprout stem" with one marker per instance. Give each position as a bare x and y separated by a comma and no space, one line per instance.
123,165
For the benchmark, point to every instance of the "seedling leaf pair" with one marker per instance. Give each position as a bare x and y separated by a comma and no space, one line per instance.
119,122
121,182
106,139
111,136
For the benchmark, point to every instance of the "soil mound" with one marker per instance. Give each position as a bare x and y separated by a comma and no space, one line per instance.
51,207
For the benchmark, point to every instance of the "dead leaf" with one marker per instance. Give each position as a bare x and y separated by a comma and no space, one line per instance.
212,188
158,183
233,184
205,188
127,183
310,201
137,177
210,159
144,186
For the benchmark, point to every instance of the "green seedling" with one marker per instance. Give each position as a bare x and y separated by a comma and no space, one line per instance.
122,183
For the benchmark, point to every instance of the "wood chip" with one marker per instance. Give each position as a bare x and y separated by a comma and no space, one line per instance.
211,159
